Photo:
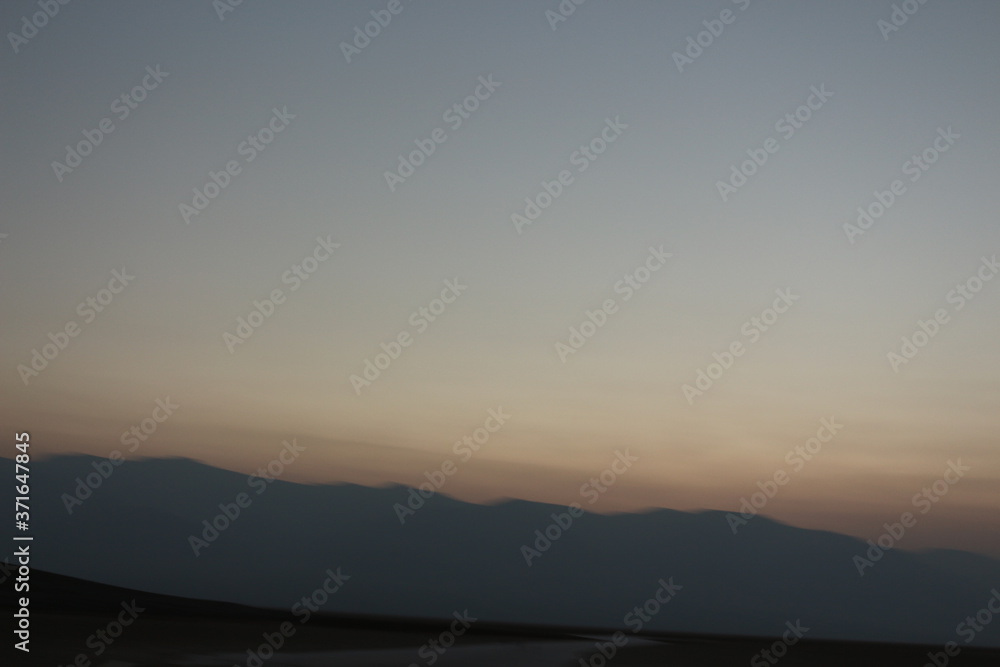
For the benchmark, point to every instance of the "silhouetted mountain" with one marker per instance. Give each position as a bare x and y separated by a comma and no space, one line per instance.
134,531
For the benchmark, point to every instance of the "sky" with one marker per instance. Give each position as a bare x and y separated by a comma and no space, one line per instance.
694,166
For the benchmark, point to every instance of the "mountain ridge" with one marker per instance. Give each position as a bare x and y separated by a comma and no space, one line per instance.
135,530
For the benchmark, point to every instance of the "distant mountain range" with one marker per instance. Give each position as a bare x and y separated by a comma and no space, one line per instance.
142,526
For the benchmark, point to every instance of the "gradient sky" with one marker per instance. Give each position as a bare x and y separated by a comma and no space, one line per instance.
323,175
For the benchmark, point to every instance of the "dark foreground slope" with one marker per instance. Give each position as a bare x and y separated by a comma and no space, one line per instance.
73,622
